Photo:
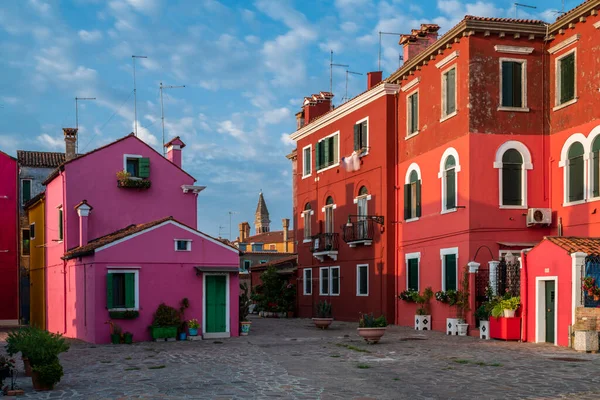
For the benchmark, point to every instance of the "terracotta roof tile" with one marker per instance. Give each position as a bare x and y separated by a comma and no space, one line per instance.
40,159
276,263
512,20
577,8
588,245
269,237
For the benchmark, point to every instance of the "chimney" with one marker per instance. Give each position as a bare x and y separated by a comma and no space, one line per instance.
70,143
300,120
418,40
286,225
244,229
174,150
373,78
316,105
83,210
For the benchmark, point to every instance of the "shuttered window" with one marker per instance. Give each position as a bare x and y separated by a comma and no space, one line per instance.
335,280
307,281
413,273
566,78
324,281
121,290
450,272
413,113
595,167
412,197
361,133
512,84
512,178
138,167
327,152
575,172
449,100
450,183
362,280
25,190
306,161
60,223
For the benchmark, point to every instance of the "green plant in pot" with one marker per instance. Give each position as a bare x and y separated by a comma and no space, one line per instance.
462,303
244,305
181,330
15,343
115,331
165,322
323,315
423,313
371,329
506,307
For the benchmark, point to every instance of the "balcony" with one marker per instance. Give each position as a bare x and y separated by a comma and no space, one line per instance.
325,245
359,233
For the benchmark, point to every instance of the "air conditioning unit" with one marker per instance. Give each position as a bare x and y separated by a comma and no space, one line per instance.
539,216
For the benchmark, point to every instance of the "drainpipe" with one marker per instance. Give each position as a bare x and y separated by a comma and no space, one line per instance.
396,207
524,293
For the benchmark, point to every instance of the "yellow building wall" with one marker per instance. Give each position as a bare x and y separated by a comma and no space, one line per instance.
37,293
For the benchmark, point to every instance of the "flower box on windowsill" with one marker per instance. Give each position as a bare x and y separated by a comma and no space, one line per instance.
128,314
134,183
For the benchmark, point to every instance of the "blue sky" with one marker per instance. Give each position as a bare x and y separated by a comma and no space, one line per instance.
246,66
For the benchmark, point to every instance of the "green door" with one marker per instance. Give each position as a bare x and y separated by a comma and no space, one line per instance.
216,303
550,311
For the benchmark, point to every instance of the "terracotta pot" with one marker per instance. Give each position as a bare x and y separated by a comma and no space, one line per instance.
596,297
371,335
38,386
322,323
27,366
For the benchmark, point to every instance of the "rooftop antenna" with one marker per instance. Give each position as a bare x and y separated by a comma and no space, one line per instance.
331,65
230,214
517,5
221,227
162,111
379,56
353,73
133,57
77,119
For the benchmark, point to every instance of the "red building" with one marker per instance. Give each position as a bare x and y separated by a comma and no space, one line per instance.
9,255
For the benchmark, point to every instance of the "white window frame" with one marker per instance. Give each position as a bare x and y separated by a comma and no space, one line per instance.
412,256
564,161
590,176
321,293
368,134
414,167
358,267
527,165
136,272
304,176
324,209
410,134
61,222
30,189
31,237
307,217
444,91
523,107
557,104
339,288
337,163
188,244
304,273
450,151
131,157
444,252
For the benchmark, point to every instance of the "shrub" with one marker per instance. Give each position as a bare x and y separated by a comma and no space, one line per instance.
166,316
324,309
49,374
369,321
244,302
42,347
408,295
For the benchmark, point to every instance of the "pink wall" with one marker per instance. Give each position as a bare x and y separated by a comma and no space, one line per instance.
9,269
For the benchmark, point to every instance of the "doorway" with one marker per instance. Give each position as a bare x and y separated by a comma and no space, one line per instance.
216,306
546,298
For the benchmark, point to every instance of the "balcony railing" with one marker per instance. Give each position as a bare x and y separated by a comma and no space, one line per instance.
360,231
325,244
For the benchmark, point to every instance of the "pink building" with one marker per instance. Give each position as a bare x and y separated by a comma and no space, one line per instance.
9,269
128,243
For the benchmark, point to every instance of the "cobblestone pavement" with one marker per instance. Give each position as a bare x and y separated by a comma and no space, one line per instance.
290,359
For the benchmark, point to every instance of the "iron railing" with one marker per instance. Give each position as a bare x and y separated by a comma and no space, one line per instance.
324,242
508,279
591,268
359,230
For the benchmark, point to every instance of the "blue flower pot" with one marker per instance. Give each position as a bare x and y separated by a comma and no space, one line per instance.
182,336
193,331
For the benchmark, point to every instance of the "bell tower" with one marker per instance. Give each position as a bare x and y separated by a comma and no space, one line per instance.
261,217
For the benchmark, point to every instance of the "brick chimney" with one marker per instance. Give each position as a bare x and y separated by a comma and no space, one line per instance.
70,143
286,226
244,229
174,150
373,78
83,210
418,40
316,105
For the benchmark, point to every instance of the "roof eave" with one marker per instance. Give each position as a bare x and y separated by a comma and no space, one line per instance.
570,16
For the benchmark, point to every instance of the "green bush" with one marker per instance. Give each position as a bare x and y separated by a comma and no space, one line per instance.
369,321
166,316
244,302
40,346
49,374
16,339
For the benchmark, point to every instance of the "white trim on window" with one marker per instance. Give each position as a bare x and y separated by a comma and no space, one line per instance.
304,161
358,276
513,49
411,167
444,252
136,272
61,223
188,244
130,156
527,165
307,217
305,278
412,256
565,43
564,161
321,292
447,59
339,286
444,90
31,237
30,190
557,104
523,107
450,151
324,210
337,163
411,84
410,134
368,134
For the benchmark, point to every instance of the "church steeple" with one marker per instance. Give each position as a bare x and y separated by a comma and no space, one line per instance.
261,217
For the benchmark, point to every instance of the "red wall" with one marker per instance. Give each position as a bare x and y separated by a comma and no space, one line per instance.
9,270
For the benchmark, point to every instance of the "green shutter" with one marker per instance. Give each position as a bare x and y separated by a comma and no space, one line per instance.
413,273
576,178
418,205
450,189
144,167
109,291
357,145
507,84
60,224
450,91
450,271
595,174
334,150
407,196
326,149
511,185
26,190
517,88
130,290
567,78
318,156
364,134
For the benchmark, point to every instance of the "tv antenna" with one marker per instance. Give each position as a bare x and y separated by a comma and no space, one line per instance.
331,65
230,214
517,5
353,73
162,111
77,99
221,227
133,57
379,54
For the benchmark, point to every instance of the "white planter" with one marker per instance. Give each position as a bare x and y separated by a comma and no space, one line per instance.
451,326
462,329
509,313
422,322
484,330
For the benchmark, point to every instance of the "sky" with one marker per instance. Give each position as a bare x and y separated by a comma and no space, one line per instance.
246,66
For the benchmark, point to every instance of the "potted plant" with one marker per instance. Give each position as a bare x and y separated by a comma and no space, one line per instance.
115,332
506,307
124,180
6,367
423,314
15,343
449,297
408,295
370,328
184,304
483,315
127,337
166,321
244,310
323,318
462,304
193,326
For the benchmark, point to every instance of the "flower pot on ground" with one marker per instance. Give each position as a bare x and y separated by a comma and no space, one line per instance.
115,332
128,338
193,326
462,328
182,336
165,323
323,318
451,326
423,315
245,303
290,314
462,304
245,327
45,376
370,328
484,330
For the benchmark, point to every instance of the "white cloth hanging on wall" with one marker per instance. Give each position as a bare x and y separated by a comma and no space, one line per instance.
352,162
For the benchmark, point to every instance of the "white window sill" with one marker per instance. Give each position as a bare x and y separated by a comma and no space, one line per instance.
183,251
362,295
307,241
451,210
514,109
123,309
412,135
448,116
513,207
307,294
575,203
364,152
334,294
134,178
244,272
330,167
563,105
60,241
324,294
306,176
411,220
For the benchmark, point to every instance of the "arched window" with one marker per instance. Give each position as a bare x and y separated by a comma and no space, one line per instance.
363,191
412,195
307,217
512,178
449,195
575,172
362,212
329,207
595,167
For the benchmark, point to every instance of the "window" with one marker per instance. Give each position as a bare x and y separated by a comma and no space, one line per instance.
324,281
362,212
25,244
449,93
306,161
246,266
327,152
513,80
412,270
565,78
329,228
449,194
412,195
32,231
137,166
262,262
25,190
183,245
412,114
361,135
575,172
449,268
60,223
273,247
362,280
595,167
242,246
306,217
329,281
122,289
257,247
307,281
512,178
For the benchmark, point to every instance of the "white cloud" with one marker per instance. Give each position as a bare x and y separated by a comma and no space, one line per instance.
286,140
349,27
334,45
230,128
40,6
49,142
252,39
150,64
144,6
450,7
89,36
10,99
145,135
276,115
